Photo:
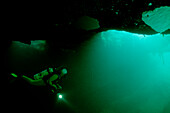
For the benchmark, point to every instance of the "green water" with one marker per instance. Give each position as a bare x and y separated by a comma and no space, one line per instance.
121,72
114,72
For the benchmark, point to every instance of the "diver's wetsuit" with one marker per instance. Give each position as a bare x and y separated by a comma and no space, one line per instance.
50,74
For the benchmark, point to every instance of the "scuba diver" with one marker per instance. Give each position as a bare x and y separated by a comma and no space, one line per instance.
45,95
49,77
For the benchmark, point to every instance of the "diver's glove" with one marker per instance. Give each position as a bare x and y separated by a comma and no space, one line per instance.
56,88
59,87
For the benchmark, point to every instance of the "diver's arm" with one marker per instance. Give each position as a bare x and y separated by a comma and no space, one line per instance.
34,82
59,87
51,79
53,85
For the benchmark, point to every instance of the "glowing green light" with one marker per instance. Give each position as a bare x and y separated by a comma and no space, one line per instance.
60,96
14,75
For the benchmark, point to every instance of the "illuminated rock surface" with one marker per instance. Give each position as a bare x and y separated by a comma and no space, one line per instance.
158,19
